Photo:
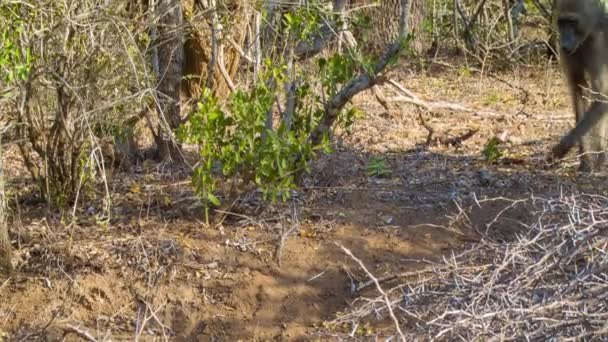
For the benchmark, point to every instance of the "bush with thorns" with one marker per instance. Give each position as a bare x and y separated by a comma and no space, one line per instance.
551,280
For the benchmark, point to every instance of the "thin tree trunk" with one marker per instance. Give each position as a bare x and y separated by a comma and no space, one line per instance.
507,11
170,61
5,242
215,28
257,46
208,60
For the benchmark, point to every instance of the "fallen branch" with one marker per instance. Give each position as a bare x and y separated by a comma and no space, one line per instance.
453,141
387,301
438,105
407,96
457,140
77,331
380,97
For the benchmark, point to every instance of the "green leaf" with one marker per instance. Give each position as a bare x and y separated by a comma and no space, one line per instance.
322,62
491,150
214,200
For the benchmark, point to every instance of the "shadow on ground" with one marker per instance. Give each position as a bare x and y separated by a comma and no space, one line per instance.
157,271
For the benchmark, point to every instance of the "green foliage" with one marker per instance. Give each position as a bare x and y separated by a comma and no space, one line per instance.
427,26
238,140
335,71
378,167
493,98
363,22
15,62
303,22
491,150
347,118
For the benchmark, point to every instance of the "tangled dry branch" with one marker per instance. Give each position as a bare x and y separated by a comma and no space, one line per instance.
549,281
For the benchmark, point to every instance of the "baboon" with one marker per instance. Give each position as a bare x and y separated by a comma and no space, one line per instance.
583,45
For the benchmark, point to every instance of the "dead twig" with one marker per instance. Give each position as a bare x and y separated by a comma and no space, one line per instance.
448,141
439,105
378,287
80,332
549,279
286,234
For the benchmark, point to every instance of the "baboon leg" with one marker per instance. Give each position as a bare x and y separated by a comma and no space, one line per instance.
597,137
576,82
583,127
603,141
598,143
585,153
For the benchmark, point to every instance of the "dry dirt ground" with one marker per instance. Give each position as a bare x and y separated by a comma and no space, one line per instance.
266,272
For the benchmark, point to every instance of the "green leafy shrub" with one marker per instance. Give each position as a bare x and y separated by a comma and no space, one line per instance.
378,167
255,141
15,63
492,151
238,140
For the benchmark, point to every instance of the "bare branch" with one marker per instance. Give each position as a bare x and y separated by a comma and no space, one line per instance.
363,81
327,35
387,301
5,241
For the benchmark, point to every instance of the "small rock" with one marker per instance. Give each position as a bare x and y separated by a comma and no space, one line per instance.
485,178
515,140
503,137
387,219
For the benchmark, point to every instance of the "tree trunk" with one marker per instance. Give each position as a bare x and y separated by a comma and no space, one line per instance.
226,19
170,53
506,4
5,242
